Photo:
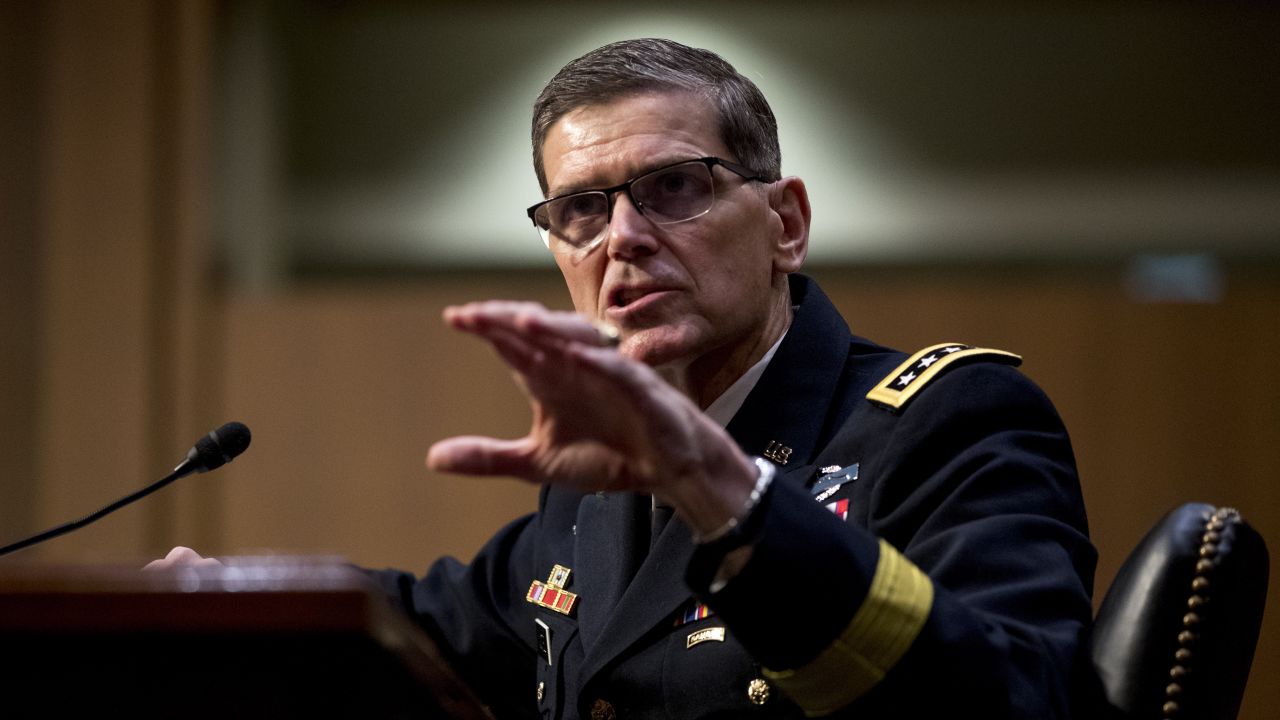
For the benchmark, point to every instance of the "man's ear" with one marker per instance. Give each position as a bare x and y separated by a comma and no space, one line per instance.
789,199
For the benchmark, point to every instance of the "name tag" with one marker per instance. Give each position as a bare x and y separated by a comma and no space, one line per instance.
704,635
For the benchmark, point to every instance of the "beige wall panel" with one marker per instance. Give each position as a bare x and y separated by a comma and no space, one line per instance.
188,324
345,390
122,344
95,299
20,106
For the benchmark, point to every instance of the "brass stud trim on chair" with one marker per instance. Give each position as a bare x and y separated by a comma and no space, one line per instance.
1215,523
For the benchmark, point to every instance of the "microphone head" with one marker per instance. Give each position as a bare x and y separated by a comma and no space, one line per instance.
218,447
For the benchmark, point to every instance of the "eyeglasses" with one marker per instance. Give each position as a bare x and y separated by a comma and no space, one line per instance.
670,194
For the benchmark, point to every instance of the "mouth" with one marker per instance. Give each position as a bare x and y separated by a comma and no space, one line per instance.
624,297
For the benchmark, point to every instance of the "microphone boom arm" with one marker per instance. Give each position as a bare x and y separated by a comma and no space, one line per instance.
211,451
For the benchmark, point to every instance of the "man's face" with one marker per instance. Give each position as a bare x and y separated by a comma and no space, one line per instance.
679,293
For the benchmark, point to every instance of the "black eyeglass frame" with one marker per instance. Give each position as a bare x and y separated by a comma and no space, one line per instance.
710,161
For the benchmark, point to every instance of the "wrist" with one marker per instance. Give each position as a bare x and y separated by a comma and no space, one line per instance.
765,473
718,558
717,491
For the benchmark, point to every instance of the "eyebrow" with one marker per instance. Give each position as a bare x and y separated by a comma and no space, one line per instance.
588,187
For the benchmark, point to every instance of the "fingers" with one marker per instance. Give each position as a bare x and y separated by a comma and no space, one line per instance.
533,341
530,320
515,350
636,380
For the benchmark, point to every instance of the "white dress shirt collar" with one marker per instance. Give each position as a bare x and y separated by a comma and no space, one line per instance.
730,401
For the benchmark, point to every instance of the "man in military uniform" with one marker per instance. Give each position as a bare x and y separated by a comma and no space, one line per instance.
745,509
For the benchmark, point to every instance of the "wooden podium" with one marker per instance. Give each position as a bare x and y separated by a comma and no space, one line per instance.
257,637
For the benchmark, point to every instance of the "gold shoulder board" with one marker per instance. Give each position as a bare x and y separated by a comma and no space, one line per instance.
909,378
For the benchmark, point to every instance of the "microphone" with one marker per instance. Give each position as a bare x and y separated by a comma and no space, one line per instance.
209,453
214,450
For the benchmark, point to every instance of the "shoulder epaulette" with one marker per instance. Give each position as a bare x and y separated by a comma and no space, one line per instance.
909,378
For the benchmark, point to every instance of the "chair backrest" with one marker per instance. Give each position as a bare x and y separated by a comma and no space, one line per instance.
1175,635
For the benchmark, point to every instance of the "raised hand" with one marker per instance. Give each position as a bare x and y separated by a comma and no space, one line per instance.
601,421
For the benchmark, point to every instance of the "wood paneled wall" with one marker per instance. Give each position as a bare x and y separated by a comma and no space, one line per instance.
107,344
20,100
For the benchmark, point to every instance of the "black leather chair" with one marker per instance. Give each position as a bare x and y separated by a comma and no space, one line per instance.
1175,635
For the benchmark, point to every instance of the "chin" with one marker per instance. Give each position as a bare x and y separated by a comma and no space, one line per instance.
657,348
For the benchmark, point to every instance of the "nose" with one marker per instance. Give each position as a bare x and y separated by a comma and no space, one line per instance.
630,233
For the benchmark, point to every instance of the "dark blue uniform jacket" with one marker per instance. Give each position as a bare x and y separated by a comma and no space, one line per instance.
972,482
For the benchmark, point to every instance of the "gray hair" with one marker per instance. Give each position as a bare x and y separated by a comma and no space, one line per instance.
747,125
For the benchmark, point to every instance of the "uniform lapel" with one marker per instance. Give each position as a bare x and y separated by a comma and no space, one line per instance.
791,405
612,538
655,592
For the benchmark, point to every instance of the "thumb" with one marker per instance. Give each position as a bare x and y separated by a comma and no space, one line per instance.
474,455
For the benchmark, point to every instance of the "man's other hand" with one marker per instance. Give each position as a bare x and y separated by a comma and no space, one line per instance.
181,556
